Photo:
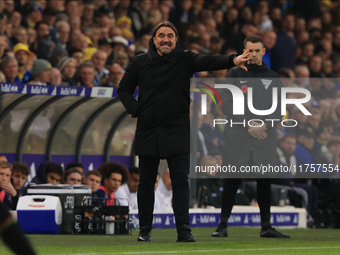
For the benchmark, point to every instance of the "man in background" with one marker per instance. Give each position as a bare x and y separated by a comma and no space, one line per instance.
128,191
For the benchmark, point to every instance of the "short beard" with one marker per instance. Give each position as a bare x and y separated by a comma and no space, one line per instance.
165,53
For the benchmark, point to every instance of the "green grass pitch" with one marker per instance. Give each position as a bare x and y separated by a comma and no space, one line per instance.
240,241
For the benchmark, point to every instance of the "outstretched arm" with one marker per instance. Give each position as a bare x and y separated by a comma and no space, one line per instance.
204,62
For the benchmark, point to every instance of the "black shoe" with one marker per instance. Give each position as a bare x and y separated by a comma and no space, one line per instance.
184,235
145,234
273,233
220,232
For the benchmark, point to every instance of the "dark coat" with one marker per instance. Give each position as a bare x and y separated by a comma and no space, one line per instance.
40,178
283,53
240,145
163,127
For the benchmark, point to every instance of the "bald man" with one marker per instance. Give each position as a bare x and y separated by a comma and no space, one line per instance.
116,73
269,41
99,59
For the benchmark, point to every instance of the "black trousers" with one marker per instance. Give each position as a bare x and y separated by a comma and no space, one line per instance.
263,198
179,173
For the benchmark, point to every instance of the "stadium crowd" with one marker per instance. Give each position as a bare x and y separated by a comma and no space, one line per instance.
91,42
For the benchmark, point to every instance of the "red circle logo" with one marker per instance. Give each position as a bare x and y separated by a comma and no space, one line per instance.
244,89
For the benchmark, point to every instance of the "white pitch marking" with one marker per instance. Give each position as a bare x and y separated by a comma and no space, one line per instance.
200,251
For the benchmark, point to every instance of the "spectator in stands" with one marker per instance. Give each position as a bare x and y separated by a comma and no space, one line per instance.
32,36
23,56
285,151
8,53
213,187
63,29
99,59
3,158
115,31
300,118
78,40
315,64
41,72
205,42
119,44
283,53
182,13
15,19
307,50
114,175
67,67
230,24
74,21
93,179
49,17
57,5
154,17
55,77
128,191
71,7
269,41
237,39
336,42
34,15
8,194
19,35
138,13
58,53
73,176
116,73
214,138
121,58
2,77
3,45
10,69
304,153
78,55
164,191
43,45
313,121
86,74
289,24
105,16
332,151
327,110
322,137
202,149
88,11
105,45
266,22
287,146
302,76
3,23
